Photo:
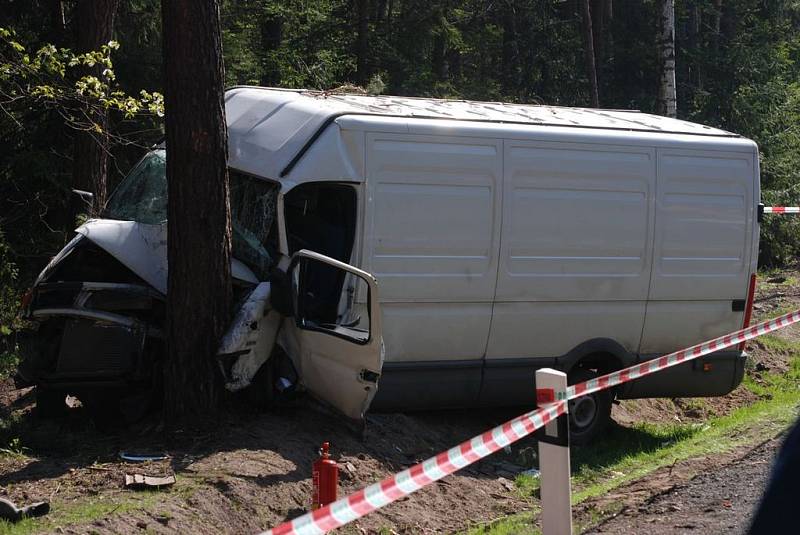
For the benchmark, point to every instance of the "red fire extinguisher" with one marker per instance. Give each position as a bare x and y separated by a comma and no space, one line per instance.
325,478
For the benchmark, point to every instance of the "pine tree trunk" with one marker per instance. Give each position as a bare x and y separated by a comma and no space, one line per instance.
588,53
667,97
94,24
715,24
695,75
362,42
598,12
510,51
271,37
199,235
58,23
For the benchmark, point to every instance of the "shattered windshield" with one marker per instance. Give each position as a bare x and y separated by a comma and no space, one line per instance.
142,197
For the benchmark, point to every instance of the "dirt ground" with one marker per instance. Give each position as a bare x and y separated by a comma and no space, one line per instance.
252,471
715,502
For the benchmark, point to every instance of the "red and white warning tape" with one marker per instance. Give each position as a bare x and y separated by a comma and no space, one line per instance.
420,475
782,209
673,359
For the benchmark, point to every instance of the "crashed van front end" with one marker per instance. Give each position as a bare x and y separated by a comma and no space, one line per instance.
99,327
300,318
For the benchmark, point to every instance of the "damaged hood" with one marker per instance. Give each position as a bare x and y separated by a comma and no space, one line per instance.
142,248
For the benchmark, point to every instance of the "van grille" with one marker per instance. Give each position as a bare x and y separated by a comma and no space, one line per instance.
95,348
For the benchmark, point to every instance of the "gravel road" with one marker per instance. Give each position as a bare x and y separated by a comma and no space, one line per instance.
720,501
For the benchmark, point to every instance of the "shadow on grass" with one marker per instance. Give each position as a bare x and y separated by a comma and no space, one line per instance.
621,442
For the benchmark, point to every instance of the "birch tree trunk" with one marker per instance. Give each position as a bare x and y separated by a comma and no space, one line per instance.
667,97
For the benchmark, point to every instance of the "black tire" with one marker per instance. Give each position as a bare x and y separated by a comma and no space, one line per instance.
50,403
589,415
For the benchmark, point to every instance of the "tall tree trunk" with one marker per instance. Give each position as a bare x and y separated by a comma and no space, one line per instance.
588,53
58,22
362,42
598,12
667,98
271,37
94,24
715,24
609,35
510,51
693,67
198,209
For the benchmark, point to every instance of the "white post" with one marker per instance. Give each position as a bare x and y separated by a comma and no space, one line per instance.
554,469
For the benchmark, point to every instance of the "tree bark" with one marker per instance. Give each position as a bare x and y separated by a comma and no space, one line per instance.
58,22
510,50
715,24
198,209
271,37
667,97
588,53
598,12
362,42
94,24
693,67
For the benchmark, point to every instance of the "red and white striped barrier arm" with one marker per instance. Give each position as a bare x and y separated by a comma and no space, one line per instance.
673,359
378,495
782,209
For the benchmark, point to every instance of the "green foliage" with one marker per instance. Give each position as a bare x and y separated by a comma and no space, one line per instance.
45,77
743,77
14,448
9,303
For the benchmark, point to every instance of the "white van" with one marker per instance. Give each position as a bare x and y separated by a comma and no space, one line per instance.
503,238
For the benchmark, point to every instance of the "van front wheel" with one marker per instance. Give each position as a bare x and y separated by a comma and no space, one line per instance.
588,415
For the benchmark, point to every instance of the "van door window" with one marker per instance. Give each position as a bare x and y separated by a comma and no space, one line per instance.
321,217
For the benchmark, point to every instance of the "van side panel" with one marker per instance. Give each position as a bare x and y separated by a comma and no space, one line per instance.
705,216
432,238
576,247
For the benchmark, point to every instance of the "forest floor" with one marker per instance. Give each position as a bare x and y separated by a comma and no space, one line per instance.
252,471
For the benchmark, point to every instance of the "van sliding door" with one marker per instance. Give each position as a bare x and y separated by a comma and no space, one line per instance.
575,257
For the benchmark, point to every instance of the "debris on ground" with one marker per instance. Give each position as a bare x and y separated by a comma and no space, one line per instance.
142,457
141,481
9,510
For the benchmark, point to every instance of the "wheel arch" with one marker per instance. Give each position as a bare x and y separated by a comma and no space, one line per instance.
603,354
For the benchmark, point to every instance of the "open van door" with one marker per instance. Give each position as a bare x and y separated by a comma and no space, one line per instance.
336,331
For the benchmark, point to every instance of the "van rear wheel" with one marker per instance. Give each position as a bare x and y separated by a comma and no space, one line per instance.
589,415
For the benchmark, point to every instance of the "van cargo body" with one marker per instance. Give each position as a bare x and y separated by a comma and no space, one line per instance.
503,238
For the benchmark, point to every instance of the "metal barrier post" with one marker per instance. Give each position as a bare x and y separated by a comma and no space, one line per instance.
554,468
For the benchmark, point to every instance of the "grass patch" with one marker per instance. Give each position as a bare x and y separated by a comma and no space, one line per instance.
9,356
777,344
84,512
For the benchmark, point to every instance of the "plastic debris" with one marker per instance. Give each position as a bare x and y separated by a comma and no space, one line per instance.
141,481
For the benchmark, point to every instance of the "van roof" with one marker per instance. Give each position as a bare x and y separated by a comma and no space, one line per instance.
277,126
499,112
